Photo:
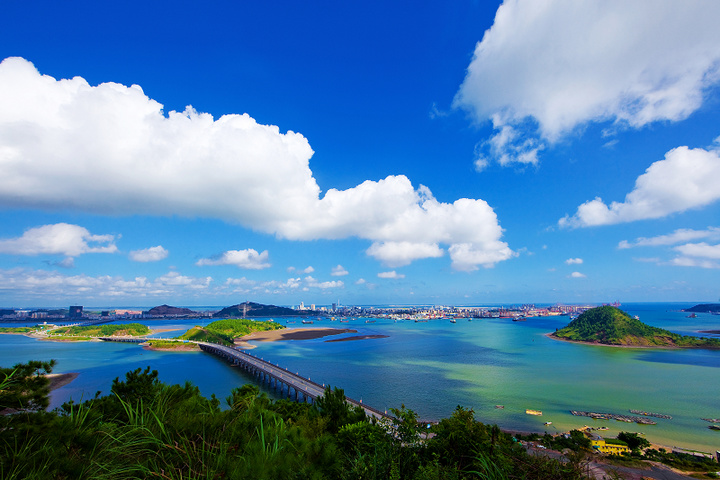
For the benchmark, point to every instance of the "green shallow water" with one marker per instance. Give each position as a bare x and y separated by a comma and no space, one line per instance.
432,367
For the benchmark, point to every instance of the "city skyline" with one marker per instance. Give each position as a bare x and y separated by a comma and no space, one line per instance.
468,154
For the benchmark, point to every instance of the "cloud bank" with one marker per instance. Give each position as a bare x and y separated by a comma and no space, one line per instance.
58,239
110,149
631,63
685,179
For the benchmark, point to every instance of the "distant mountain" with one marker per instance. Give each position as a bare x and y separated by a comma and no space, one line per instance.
252,309
611,326
168,310
704,308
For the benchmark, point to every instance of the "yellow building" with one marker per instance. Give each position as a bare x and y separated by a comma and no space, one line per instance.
600,444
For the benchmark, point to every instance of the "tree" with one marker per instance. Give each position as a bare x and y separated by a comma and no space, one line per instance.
634,441
333,406
138,385
25,386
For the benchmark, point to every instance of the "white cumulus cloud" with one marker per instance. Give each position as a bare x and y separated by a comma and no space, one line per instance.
58,239
110,149
574,261
556,65
577,275
248,258
685,179
152,254
338,271
390,274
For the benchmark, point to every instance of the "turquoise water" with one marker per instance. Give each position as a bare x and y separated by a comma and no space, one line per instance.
432,367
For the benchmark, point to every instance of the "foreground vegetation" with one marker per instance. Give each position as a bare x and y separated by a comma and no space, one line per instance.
146,429
611,326
226,331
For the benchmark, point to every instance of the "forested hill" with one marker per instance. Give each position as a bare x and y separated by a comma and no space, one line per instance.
251,309
704,308
611,326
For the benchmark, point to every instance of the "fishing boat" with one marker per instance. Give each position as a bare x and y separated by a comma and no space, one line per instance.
533,412
452,320
307,321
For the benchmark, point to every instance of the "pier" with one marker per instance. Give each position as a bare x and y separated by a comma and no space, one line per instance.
290,384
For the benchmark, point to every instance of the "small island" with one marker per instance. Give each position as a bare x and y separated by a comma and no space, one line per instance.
611,326
252,309
704,308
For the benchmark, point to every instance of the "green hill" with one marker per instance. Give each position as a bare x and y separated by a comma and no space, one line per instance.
108,330
611,326
200,334
226,331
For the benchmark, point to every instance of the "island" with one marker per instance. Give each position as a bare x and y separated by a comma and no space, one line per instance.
252,309
168,311
609,325
704,308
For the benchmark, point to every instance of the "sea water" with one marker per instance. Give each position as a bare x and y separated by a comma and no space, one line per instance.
432,367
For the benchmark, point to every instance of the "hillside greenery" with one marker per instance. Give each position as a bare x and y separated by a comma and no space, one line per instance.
147,429
611,326
107,330
172,345
200,334
17,329
226,331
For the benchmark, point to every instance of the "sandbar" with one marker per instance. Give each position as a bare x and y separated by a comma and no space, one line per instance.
58,380
289,334
356,337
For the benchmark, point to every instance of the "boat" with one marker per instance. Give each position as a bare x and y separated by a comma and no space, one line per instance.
713,427
533,412
519,319
307,321
289,321
370,321
548,423
499,406
452,320
692,315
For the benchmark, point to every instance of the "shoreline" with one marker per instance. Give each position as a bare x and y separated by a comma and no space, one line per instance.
598,344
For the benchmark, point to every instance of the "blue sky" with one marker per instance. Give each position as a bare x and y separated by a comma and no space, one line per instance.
383,152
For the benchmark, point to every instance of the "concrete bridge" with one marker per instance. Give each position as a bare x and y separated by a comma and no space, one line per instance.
280,378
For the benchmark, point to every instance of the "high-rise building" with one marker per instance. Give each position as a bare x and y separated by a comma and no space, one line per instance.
76,311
